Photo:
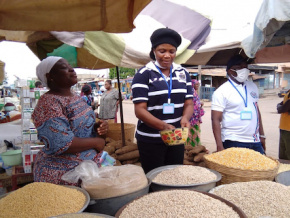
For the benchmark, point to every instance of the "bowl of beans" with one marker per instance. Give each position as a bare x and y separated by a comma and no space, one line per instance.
183,177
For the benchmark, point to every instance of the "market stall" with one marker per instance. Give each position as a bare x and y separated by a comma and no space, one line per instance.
117,185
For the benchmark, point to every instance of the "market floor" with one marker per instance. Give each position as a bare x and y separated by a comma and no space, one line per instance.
270,119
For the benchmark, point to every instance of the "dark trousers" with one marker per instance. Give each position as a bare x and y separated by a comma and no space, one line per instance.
157,155
256,146
284,145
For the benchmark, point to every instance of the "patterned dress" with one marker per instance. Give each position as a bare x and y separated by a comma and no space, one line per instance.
89,99
58,120
195,120
108,106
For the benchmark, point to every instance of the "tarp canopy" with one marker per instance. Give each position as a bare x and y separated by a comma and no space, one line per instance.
73,15
204,42
98,49
270,39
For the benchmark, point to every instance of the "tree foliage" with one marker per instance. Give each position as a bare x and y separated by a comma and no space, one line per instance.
124,72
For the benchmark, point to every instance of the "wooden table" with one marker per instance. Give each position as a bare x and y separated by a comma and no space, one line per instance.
18,177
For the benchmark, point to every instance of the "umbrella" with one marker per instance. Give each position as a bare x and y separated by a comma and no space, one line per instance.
270,39
99,49
31,21
73,15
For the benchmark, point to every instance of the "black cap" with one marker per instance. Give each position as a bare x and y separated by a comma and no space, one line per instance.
164,36
236,60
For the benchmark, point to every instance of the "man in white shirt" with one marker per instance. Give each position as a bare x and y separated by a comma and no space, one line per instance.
236,119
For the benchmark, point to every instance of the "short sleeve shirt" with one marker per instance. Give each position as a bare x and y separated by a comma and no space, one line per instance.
226,99
149,86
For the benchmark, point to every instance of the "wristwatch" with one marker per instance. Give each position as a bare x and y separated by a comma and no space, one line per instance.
263,136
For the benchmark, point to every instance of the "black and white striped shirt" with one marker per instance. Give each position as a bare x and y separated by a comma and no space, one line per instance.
149,86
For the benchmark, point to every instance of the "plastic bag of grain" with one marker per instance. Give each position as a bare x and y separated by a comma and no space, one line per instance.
109,181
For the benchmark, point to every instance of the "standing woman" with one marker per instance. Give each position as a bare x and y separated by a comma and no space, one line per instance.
109,103
86,94
65,124
195,120
163,100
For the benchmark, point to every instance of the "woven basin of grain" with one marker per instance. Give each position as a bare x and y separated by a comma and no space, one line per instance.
241,165
257,198
41,199
178,203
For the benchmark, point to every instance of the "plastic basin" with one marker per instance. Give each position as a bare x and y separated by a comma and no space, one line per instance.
12,157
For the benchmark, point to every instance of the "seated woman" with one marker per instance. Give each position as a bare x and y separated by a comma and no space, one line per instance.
65,124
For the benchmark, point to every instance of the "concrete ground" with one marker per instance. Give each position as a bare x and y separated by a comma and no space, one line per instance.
270,119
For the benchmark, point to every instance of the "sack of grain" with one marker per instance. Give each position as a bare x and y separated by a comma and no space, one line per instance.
109,181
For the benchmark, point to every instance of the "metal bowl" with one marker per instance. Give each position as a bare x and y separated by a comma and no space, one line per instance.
87,201
283,178
85,193
110,206
92,214
204,187
233,206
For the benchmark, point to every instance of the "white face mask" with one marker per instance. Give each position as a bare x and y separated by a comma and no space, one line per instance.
242,74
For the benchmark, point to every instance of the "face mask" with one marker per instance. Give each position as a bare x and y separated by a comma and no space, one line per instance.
242,75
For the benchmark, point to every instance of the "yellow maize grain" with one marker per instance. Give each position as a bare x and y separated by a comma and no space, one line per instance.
40,199
242,158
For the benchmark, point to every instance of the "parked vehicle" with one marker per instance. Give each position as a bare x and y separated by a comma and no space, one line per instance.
282,93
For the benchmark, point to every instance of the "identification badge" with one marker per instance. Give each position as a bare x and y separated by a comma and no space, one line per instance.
168,108
246,115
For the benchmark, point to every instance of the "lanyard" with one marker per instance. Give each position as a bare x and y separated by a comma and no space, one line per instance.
245,101
170,84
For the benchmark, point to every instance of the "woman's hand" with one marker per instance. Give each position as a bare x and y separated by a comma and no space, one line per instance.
168,126
100,144
185,122
101,127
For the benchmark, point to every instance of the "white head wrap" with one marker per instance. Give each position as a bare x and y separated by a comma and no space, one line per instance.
44,67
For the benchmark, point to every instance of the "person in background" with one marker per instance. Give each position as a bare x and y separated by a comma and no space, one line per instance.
195,120
86,94
236,118
109,103
162,100
38,84
65,124
283,108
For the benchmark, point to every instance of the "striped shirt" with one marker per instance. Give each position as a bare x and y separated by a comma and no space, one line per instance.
149,86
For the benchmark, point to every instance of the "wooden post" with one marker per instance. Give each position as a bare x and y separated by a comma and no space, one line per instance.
121,107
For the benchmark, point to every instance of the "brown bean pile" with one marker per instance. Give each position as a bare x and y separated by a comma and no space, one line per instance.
258,198
185,175
177,203
41,199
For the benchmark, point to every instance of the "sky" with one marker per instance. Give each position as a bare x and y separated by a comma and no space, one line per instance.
20,60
